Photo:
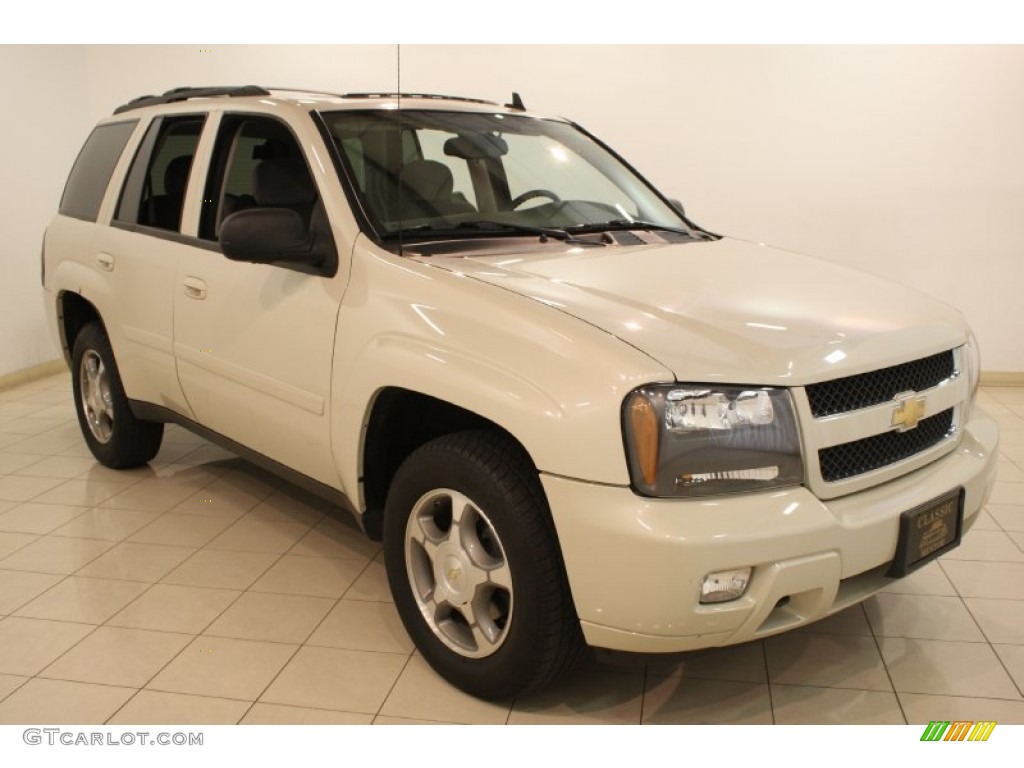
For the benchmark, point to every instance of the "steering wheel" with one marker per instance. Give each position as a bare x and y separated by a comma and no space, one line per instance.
532,193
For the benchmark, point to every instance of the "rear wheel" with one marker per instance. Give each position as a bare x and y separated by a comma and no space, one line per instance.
475,569
116,438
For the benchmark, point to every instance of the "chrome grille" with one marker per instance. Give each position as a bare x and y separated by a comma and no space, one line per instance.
855,458
867,389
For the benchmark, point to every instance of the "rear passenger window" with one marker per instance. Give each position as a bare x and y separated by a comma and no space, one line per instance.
154,192
90,175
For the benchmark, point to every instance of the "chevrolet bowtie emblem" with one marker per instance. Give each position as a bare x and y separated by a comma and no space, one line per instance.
909,411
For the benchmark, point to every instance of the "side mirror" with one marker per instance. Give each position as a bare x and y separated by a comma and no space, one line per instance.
266,235
678,205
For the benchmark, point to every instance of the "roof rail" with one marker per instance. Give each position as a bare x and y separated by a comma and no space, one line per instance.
415,96
186,93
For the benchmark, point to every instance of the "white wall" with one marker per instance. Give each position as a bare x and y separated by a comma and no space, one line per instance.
904,161
45,120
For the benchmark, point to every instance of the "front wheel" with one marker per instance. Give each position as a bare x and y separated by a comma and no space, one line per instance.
116,438
475,569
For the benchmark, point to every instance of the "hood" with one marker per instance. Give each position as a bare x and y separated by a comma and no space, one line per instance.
727,310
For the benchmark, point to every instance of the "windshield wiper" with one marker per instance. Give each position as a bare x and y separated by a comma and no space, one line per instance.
622,225
463,227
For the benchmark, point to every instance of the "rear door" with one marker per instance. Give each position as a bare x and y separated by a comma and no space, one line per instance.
139,251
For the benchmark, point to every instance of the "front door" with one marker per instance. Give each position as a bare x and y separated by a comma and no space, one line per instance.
254,342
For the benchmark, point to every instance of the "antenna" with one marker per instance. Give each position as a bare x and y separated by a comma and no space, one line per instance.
517,102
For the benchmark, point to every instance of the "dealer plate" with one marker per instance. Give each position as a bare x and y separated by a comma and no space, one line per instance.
928,531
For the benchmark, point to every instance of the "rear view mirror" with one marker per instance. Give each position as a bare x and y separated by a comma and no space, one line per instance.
266,235
476,146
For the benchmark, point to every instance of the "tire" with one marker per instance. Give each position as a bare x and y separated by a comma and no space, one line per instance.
116,438
475,569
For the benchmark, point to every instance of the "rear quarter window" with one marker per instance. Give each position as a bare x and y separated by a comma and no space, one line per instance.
91,172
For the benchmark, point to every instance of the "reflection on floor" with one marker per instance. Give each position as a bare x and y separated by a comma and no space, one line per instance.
201,590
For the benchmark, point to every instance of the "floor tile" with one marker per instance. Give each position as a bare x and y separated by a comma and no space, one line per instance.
30,425
1012,657
333,538
922,709
254,535
11,683
60,702
278,714
12,542
689,701
224,668
83,493
1010,517
21,488
173,608
78,599
1008,493
180,530
850,621
107,524
1008,472
801,705
929,617
946,668
420,693
19,587
150,496
330,678
741,663
136,562
11,462
160,708
372,584
54,554
1002,621
118,656
583,697
387,720
363,626
985,522
929,580
222,569
62,467
992,580
990,546
30,517
313,576
277,618
832,661
30,644
213,501
292,504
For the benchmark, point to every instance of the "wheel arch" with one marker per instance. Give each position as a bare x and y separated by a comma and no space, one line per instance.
401,420
74,312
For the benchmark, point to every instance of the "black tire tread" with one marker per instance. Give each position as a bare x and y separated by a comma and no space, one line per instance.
559,640
134,441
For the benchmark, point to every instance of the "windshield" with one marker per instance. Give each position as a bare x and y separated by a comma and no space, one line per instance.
464,173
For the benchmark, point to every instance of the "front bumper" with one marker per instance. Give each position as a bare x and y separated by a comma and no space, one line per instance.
635,564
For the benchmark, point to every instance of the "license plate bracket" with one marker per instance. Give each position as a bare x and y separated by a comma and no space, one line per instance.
928,531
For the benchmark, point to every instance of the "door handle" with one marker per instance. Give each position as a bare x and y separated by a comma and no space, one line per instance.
195,288
106,261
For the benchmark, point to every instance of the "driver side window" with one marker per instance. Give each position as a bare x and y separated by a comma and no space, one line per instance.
257,163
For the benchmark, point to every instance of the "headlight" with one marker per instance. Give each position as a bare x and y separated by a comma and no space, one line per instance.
698,440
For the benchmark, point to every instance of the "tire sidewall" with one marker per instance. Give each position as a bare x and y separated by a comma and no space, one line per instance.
504,668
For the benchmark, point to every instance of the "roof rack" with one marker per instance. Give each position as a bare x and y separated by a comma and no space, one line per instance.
416,96
186,93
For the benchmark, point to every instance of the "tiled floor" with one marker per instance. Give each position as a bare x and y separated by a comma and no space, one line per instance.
200,590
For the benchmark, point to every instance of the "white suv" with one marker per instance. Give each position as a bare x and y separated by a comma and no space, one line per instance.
572,416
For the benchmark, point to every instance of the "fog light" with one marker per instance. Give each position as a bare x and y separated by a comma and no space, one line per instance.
722,586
